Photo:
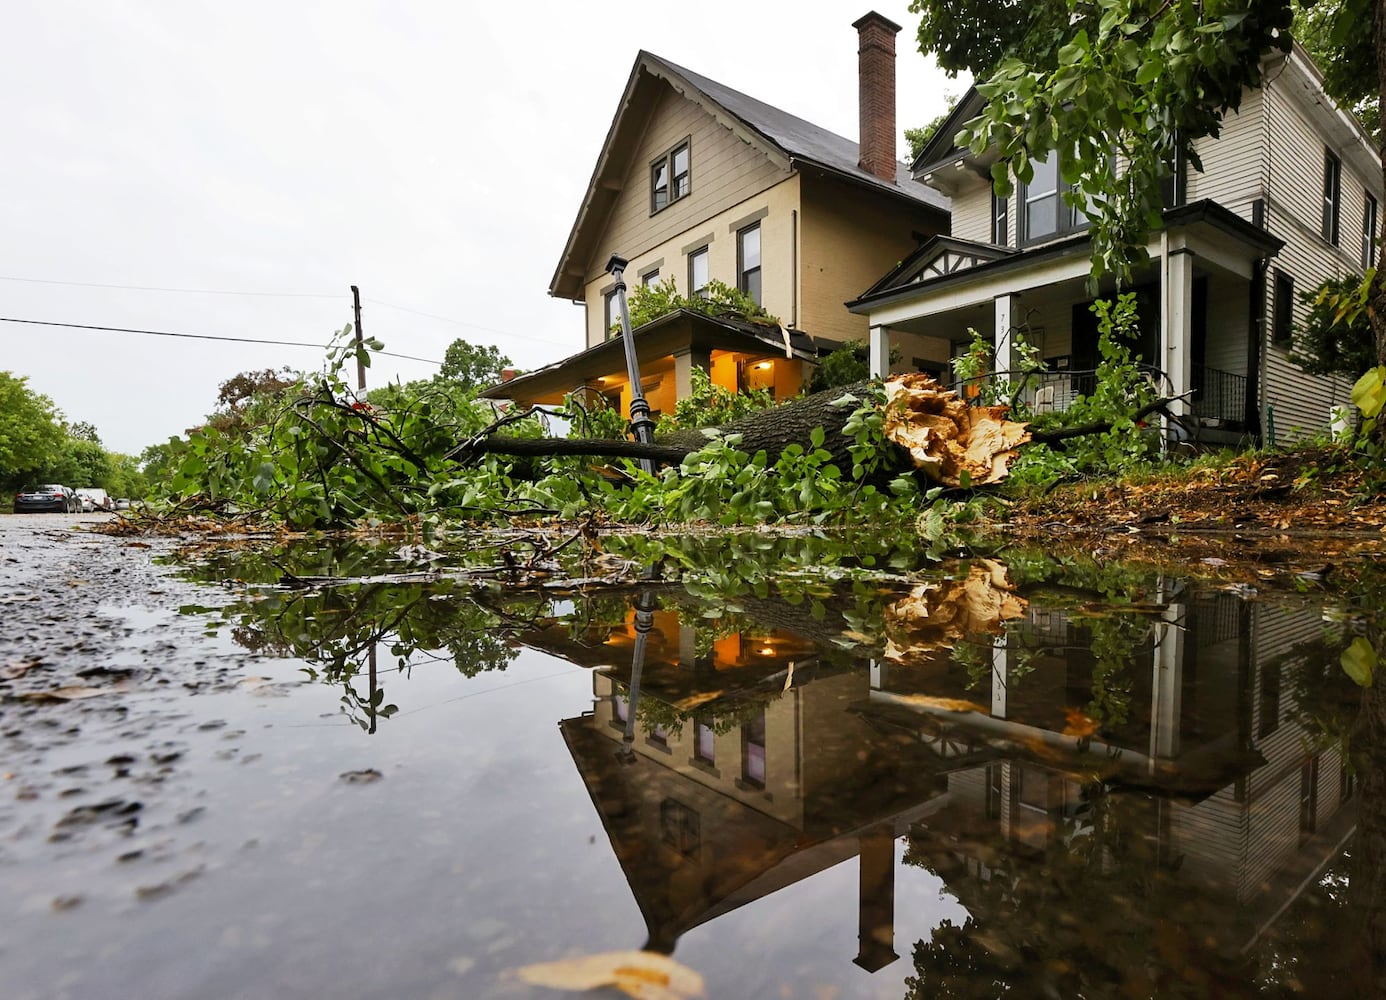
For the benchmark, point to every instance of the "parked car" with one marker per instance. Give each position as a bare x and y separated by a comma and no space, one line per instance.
122,503
49,497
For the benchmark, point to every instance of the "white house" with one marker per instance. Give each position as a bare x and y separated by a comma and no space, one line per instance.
1288,198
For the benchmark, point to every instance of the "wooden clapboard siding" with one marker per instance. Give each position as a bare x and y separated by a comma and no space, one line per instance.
1234,164
848,238
1301,403
972,215
1211,837
723,170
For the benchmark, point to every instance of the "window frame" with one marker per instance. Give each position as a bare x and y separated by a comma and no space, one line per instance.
704,253
743,272
1000,220
667,163
1283,320
1332,197
1067,217
650,278
1369,228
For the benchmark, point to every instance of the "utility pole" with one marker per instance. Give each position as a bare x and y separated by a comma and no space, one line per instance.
360,368
640,421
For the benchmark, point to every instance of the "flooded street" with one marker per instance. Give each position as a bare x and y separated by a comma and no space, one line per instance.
384,772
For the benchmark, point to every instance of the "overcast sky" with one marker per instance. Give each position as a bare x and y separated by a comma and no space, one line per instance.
433,154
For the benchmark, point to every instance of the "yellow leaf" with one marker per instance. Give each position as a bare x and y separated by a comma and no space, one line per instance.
645,975
1359,661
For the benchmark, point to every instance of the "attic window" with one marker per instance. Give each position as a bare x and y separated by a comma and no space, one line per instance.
669,177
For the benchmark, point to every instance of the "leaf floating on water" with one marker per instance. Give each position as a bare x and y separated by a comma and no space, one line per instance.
645,975
1359,661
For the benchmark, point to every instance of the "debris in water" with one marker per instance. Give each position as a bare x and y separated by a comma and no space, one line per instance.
646,975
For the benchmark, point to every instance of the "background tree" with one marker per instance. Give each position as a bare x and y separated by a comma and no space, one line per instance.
472,366
31,433
918,138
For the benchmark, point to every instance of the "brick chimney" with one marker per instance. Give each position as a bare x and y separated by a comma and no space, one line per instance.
876,93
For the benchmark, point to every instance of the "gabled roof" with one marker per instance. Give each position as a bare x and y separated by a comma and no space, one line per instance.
791,140
941,255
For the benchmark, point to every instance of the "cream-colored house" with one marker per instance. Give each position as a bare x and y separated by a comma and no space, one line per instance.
697,181
1289,196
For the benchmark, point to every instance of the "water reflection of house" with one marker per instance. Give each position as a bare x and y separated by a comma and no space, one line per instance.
790,759
769,780
1238,807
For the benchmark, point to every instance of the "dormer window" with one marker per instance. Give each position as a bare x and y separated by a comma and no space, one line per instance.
670,177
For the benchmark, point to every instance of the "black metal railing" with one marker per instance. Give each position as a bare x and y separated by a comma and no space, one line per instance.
1219,397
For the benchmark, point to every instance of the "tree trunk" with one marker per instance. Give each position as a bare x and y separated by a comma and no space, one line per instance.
774,430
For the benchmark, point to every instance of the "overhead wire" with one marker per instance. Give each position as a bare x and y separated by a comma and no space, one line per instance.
281,295
199,336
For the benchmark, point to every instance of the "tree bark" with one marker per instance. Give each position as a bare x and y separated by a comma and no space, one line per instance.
770,430
774,430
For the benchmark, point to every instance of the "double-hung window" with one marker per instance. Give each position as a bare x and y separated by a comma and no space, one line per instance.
670,177
1368,231
697,272
1000,220
1042,209
1332,196
1283,322
748,262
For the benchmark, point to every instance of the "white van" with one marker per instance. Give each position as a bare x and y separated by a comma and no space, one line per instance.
100,499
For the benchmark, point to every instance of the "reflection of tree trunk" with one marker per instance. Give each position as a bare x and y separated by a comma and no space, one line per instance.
1368,879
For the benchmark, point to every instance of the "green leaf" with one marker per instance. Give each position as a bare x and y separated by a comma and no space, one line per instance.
1369,394
1359,662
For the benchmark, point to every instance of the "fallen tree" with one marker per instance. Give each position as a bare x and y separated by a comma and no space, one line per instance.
926,427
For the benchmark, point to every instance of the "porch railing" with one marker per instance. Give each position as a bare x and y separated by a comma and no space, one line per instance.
1219,397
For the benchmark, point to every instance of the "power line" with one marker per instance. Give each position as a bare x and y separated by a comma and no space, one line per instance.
199,336
161,288
285,295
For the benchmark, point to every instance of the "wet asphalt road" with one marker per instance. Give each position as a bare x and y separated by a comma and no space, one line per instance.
98,805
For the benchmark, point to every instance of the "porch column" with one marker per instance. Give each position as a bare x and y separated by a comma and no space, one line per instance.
879,353
999,677
684,363
1006,308
1168,684
1176,331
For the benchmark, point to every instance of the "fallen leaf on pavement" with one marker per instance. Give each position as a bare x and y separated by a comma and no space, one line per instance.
66,694
645,975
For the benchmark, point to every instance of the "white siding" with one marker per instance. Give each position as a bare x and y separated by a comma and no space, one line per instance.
972,215
1301,403
1234,164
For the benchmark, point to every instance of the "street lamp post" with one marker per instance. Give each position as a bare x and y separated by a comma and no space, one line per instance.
640,421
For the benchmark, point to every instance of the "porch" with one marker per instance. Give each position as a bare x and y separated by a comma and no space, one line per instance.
1199,308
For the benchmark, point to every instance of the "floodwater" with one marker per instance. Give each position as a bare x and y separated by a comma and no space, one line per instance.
978,780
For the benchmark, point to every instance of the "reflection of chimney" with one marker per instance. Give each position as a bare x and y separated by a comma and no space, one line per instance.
876,900
876,93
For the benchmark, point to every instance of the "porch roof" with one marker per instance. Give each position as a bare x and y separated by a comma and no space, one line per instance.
1204,223
680,330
